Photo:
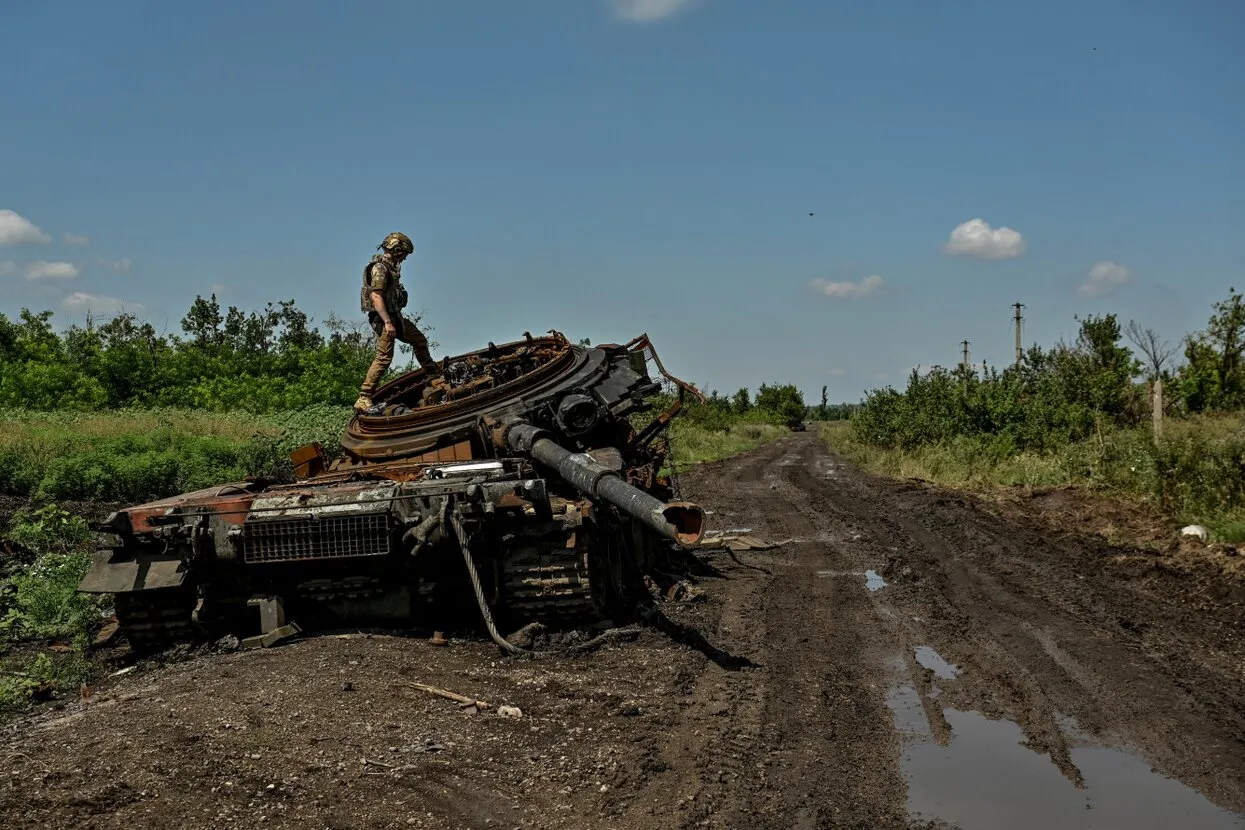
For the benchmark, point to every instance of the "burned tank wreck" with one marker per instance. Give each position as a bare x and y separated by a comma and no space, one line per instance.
514,490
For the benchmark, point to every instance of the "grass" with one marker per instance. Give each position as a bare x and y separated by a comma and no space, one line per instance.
136,455
140,455
1195,474
694,444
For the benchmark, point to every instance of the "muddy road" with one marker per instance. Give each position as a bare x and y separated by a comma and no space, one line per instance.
906,659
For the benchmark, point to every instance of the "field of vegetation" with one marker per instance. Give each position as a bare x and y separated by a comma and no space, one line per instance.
117,413
1079,414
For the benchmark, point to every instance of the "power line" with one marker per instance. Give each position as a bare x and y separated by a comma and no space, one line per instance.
1019,350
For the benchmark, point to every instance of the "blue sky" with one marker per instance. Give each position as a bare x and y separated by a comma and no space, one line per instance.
606,168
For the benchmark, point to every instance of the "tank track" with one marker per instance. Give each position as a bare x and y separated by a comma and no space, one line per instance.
153,620
548,584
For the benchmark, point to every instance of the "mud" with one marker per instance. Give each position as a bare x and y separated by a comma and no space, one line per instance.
911,659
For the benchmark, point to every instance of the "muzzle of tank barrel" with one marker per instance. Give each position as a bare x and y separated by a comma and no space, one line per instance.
687,519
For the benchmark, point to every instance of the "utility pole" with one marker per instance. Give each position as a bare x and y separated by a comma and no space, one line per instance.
964,362
1019,350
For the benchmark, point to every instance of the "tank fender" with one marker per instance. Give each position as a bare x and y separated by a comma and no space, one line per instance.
110,575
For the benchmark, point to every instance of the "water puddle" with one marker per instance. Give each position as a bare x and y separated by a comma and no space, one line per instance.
873,581
985,780
934,661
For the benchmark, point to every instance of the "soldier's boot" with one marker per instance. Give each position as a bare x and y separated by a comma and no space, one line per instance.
364,403
425,359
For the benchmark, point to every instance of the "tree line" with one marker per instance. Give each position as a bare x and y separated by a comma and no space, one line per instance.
1070,391
222,360
227,360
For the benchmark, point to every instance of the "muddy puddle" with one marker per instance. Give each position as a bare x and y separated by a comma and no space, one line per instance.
873,580
935,662
985,779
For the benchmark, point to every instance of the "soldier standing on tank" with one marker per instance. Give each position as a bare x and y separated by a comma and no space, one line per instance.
382,299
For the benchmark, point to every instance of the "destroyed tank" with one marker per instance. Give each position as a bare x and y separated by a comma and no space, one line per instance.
513,489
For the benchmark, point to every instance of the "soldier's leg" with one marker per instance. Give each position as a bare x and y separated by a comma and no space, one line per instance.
411,334
380,362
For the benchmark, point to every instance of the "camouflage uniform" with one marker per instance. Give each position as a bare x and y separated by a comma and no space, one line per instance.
384,275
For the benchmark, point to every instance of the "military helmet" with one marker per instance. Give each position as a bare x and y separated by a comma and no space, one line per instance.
397,242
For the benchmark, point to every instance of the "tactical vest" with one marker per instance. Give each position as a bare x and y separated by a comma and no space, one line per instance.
394,294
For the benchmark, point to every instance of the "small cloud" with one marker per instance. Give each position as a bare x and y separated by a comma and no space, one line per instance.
834,373
18,230
975,238
847,290
51,270
119,266
81,301
1103,278
219,289
647,11
75,239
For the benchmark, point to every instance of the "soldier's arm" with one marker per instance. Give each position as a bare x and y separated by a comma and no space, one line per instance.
378,303
379,280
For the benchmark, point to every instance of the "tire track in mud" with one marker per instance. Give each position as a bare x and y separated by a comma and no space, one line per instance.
1038,641
710,751
803,739
1031,642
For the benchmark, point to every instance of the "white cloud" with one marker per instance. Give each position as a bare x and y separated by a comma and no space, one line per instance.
834,373
81,301
75,239
1103,278
976,238
51,270
646,11
18,230
847,290
120,266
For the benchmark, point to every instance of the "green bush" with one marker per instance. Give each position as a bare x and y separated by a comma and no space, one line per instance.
49,528
39,602
44,602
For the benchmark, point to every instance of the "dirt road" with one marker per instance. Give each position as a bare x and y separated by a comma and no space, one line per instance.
906,659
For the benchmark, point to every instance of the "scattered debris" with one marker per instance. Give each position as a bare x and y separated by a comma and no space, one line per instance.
429,745
121,672
737,540
468,703
227,643
526,636
273,637
683,591
108,633
1200,531
510,711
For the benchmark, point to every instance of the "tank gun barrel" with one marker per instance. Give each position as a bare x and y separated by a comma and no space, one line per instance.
681,521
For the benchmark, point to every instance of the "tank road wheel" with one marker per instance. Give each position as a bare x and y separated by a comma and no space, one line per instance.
156,619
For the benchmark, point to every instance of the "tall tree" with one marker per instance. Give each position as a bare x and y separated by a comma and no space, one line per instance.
1156,350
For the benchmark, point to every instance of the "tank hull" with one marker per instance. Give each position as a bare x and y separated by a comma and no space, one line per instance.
429,518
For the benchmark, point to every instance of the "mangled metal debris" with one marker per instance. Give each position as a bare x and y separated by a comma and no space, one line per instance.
740,539
518,491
